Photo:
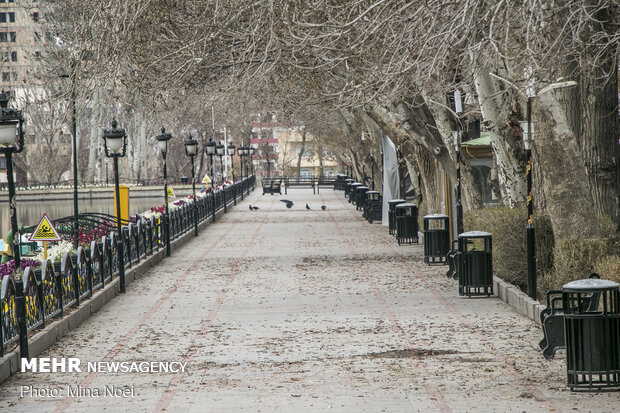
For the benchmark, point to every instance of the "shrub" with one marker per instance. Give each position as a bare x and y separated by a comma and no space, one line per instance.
575,259
509,246
609,268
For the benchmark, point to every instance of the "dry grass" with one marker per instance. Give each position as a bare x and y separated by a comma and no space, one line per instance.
509,247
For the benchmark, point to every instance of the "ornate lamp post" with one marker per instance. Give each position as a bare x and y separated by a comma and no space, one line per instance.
221,149
458,109
210,149
115,145
252,151
528,139
459,206
231,153
241,152
162,144
191,149
12,141
372,171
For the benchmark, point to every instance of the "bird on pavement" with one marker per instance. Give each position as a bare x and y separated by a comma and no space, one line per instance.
250,207
323,207
255,208
307,207
288,203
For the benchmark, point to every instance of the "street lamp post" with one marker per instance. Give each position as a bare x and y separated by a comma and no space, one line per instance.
530,234
231,152
241,153
210,149
220,149
191,149
115,144
76,229
458,109
528,139
459,205
12,141
162,144
107,182
251,151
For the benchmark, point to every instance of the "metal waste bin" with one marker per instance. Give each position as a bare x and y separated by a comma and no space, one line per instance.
392,214
347,186
475,268
406,223
436,238
592,332
360,197
340,182
352,191
373,207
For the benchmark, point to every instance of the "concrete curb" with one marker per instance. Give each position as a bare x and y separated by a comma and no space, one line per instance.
517,299
43,339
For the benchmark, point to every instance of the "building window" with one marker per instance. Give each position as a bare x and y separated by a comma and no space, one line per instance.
37,37
4,37
305,173
13,56
307,152
6,77
5,56
13,36
7,17
35,16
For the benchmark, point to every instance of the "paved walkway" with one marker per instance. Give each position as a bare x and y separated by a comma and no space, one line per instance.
288,310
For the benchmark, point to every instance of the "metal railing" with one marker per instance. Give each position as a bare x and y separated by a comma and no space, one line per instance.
55,286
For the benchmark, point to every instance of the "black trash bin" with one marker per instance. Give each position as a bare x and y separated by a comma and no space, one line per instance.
347,186
339,184
352,191
392,214
373,208
360,197
475,267
436,238
406,223
592,332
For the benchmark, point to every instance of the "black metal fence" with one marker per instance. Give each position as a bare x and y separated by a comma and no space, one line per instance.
55,286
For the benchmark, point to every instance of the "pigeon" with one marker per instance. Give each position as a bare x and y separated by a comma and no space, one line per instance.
255,208
288,203
307,207
323,207
250,207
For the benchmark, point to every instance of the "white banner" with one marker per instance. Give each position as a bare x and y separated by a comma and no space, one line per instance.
391,180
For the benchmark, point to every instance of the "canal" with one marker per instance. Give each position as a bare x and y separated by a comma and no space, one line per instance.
29,212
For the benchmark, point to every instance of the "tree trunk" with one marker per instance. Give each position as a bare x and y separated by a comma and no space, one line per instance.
507,146
559,160
598,101
301,152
